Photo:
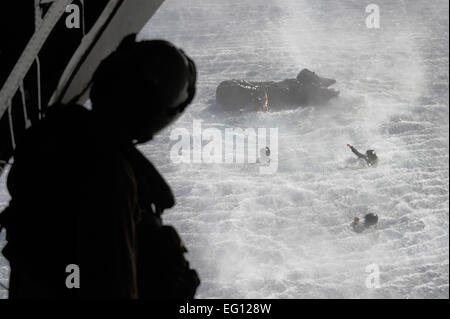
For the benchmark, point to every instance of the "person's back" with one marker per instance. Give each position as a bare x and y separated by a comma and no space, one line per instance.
371,158
66,177
38,187
80,188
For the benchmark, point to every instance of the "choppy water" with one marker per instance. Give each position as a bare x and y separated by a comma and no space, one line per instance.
287,235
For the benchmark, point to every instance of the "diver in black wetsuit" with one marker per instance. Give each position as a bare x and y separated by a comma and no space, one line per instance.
370,157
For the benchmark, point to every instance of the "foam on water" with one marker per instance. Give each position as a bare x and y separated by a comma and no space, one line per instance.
287,235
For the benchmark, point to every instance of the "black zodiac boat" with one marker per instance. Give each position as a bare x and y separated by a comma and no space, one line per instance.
306,89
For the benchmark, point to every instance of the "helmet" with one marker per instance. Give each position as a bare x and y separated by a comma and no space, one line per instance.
143,86
371,153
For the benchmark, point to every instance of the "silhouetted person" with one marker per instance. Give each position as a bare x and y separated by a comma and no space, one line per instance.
82,193
370,157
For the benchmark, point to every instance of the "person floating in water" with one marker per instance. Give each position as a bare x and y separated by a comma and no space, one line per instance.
357,225
370,157
264,155
369,220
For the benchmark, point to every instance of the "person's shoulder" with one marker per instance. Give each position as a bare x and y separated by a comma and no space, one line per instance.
55,123
66,112
58,119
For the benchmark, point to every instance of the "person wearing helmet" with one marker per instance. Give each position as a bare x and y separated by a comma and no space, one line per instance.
142,87
85,202
357,225
370,157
